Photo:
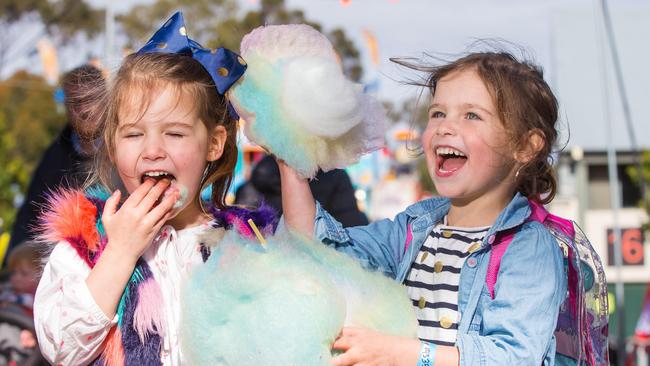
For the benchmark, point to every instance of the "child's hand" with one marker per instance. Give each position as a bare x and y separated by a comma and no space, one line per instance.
131,228
363,346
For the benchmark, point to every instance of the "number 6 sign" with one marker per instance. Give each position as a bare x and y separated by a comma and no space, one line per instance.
631,247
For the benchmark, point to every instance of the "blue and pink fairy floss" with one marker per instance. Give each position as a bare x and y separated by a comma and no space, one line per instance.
297,103
284,303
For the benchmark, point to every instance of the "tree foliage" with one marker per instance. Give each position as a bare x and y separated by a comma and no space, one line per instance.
220,23
414,112
644,173
29,121
61,20
65,18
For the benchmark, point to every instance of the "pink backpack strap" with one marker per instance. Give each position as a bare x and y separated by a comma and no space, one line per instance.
409,237
498,248
539,214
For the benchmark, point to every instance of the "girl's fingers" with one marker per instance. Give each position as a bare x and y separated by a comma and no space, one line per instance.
153,195
343,360
159,224
342,343
139,193
110,206
163,210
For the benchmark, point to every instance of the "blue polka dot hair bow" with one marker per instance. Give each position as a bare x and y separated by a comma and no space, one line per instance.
224,66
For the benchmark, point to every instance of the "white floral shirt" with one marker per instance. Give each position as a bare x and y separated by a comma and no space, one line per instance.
71,327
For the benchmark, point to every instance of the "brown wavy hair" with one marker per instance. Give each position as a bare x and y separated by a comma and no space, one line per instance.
524,103
142,72
82,88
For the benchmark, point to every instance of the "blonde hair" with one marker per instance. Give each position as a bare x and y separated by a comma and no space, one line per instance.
142,72
26,252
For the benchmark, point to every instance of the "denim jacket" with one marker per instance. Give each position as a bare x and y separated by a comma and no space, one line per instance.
514,328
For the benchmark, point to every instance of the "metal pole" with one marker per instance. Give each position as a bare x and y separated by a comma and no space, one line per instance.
582,184
620,82
615,197
614,190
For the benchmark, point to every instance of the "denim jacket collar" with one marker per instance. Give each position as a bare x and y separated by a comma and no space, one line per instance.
426,213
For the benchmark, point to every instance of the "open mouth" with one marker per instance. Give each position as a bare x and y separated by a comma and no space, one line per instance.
449,160
157,176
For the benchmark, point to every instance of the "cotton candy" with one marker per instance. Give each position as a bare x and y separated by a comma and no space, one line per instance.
283,305
298,104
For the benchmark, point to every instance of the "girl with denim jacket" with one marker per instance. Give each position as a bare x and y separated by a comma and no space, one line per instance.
491,129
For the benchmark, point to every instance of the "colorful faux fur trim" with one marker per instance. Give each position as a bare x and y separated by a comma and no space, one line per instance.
113,354
72,217
75,217
265,218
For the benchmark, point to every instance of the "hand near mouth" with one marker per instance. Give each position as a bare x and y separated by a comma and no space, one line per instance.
132,227
130,230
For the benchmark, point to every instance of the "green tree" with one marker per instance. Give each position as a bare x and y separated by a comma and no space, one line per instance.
29,121
636,176
65,18
218,23
61,19
414,111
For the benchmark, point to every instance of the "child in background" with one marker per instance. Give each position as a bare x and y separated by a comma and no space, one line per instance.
492,127
65,162
24,264
110,292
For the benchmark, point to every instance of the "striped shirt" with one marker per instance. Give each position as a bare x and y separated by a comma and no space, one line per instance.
433,280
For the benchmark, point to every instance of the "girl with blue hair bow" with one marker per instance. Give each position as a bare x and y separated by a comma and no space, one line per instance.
110,292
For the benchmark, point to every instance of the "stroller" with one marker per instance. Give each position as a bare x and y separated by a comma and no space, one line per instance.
18,345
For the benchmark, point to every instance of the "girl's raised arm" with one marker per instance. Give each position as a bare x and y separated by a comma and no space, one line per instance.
297,201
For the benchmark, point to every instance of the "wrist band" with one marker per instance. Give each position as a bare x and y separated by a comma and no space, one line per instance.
427,354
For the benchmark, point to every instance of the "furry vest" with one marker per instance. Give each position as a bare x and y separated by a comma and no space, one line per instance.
75,217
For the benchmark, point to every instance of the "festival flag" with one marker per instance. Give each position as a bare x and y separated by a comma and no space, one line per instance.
371,43
49,61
